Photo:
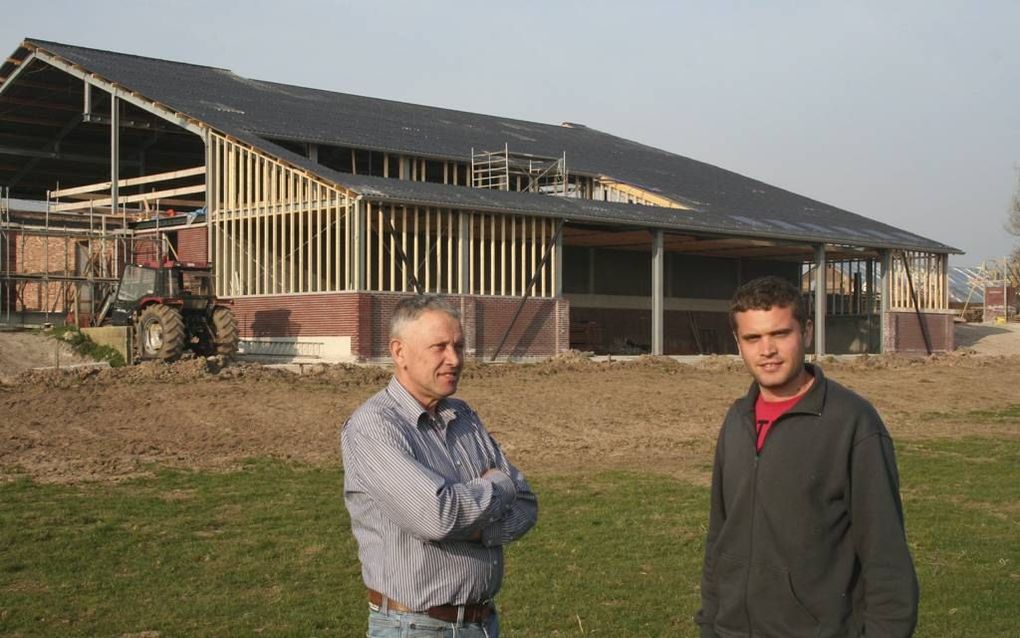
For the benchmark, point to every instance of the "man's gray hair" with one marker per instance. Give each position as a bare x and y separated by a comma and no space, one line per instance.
411,308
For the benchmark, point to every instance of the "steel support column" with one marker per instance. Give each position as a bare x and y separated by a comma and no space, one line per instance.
821,295
884,305
114,152
658,270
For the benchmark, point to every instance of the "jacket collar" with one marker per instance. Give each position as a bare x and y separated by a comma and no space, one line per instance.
811,403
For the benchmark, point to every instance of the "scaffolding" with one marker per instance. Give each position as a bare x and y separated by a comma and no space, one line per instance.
505,171
59,259
995,281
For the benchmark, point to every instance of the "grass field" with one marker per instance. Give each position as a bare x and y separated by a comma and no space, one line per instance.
268,551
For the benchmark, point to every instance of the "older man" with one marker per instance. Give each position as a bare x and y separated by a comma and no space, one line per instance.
805,535
432,498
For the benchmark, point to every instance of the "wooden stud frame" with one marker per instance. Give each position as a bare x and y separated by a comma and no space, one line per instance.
853,286
929,273
456,252
274,229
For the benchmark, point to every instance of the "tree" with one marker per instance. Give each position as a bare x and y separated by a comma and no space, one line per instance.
1013,219
1013,228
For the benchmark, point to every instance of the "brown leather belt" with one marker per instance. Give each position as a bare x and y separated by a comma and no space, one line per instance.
473,613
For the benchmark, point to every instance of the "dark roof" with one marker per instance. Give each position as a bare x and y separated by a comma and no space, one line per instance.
251,110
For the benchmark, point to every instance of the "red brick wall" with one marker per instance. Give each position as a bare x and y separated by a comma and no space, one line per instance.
903,332
297,315
37,256
7,288
146,249
1000,302
193,244
540,330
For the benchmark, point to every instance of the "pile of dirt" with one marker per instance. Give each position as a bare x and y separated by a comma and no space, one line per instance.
649,413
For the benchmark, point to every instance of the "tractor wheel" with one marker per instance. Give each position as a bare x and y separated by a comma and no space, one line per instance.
160,333
224,329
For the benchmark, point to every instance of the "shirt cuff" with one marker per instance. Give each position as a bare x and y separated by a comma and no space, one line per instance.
504,491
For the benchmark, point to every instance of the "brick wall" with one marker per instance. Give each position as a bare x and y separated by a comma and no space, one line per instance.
1000,301
540,330
146,249
38,256
903,332
193,244
297,315
7,288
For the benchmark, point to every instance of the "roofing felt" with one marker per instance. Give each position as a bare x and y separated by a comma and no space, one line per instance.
253,110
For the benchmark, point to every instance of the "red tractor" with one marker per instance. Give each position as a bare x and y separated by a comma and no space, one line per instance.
172,307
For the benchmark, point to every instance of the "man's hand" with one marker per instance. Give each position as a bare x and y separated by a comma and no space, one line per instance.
490,474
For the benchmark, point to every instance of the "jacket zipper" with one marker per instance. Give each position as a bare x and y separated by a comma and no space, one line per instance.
751,546
754,509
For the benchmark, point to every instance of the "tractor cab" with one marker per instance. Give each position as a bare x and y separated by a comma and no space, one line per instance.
172,307
185,284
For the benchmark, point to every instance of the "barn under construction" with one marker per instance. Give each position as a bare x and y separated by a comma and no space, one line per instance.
320,210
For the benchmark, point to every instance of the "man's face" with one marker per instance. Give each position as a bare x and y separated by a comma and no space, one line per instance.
428,355
772,344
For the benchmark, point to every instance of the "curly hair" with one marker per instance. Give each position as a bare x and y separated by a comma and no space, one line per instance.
768,292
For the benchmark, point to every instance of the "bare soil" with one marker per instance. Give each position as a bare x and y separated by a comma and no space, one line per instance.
25,350
562,415
989,338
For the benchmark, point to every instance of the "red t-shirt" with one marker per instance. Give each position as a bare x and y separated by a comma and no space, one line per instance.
766,413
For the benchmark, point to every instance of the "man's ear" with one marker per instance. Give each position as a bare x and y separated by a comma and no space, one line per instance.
397,351
809,332
736,339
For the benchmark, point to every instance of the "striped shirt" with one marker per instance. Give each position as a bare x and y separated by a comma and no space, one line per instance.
413,487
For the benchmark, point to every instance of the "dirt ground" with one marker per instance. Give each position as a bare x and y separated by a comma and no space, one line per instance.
23,350
562,415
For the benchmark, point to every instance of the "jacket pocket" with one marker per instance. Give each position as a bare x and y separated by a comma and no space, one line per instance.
731,586
776,610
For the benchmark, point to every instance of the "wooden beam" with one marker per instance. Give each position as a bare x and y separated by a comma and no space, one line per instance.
130,199
130,181
116,90
618,240
19,68
652,199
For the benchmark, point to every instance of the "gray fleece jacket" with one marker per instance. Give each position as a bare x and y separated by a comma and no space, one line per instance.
807,538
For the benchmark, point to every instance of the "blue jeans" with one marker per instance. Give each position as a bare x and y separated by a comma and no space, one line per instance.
405,625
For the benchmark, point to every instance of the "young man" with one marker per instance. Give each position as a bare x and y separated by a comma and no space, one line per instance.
432,499
805,534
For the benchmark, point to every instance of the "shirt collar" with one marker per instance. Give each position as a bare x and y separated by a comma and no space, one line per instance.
410,409
812,401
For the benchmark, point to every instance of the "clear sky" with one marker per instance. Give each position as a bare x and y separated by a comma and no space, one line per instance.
907,112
